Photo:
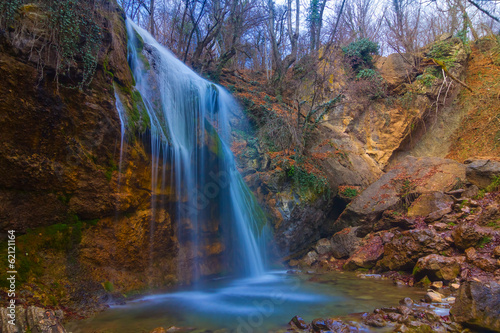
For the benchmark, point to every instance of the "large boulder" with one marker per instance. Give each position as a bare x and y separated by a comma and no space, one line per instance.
395,70
344,243
403,251
438,268
407,180
367,255
481,172
478,305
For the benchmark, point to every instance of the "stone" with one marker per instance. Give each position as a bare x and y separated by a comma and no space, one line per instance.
470,192
375,320
159,330
432,205
310,258
481,172
298,322
454,286
43,321
323,246
478,304
438,268
392,219
367,255
407,247
496,252
437,285
344,243
466,235
433,297
406,302
414,176
395,70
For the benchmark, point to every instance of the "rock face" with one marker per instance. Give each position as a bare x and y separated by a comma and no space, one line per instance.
401,184
481,172
59,161
438,267
403,251
478,305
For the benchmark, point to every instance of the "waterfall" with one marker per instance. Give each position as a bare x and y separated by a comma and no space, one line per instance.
122,115
190,124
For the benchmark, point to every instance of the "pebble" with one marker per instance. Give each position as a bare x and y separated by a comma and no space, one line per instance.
433,297
437,285
454,286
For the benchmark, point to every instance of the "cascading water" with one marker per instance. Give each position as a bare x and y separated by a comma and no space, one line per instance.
190,130
190,136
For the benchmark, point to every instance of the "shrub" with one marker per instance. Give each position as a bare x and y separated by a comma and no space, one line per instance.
359,53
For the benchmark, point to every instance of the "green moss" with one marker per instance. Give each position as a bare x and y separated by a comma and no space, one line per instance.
108,286
485,240
349,192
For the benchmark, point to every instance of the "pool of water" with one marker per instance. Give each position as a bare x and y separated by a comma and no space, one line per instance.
249,305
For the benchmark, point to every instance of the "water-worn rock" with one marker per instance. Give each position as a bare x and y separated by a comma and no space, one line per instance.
432,205
478,304
411,177
42,321
299,323
433,297
481,172
403,251
466,235
438,267
367,255
344,243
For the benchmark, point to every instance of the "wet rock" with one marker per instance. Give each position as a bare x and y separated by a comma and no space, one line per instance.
375,320
438,267
478,304
432,205
433,297
406,302
424,175
466,235
320,324
367,255
298,323
481,172
454,286
405,248
323,246
344,243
